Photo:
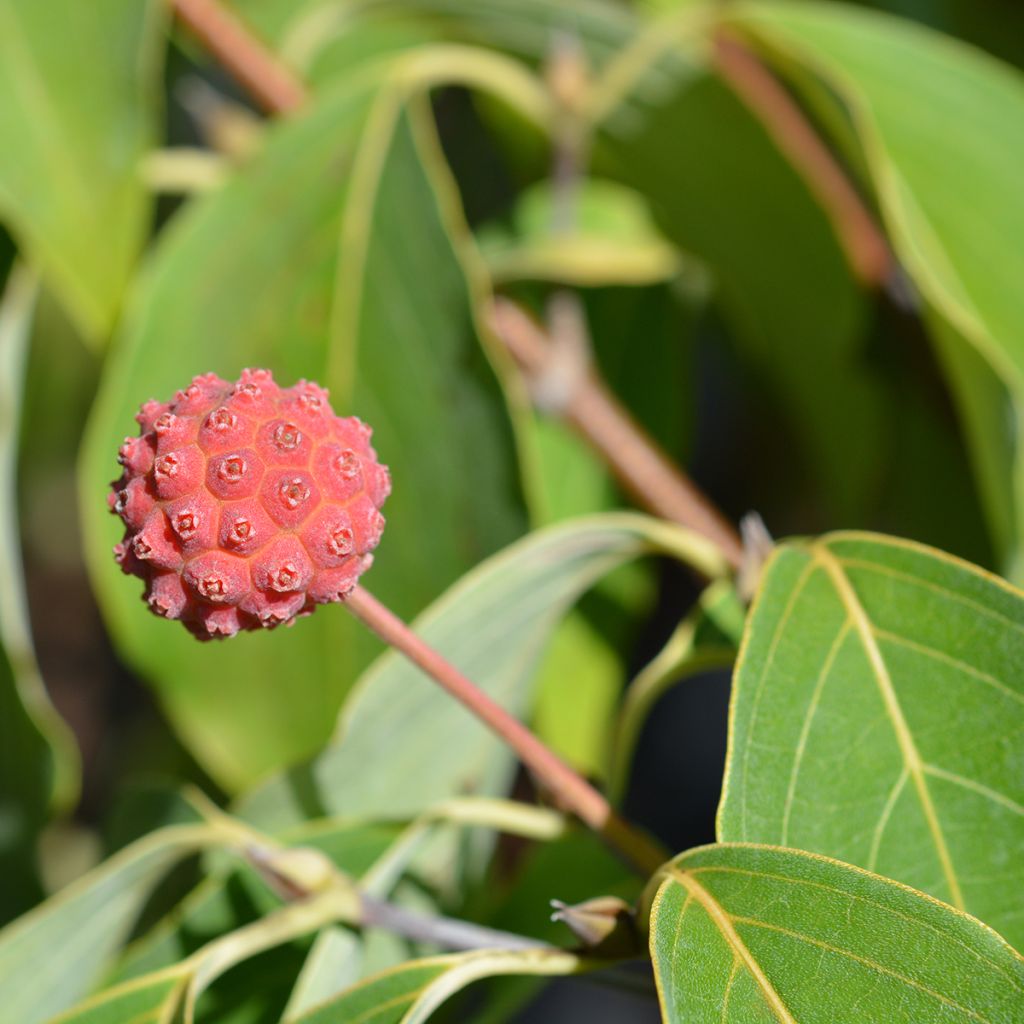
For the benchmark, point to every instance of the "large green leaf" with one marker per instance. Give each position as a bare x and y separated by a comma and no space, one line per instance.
51,957
493,625
312,262
410,993
37,754
73,129
743,933
937,121
878,716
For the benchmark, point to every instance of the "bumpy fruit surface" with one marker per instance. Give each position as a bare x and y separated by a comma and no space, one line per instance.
246,505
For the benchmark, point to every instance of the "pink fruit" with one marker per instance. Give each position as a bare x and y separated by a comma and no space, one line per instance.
245,505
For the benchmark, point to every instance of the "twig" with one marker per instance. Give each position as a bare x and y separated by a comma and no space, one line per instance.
860,237
256,69
568,788
635,458
447,932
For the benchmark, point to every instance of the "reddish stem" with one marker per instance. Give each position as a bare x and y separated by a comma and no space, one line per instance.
255,68
633,455
863,242
567,787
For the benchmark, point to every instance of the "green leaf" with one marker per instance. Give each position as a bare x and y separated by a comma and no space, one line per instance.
779,275
301,30
354,193
905,86
743,933
878,717
53,956
233,895
74,129
993,421
149,1000
493,625
340,957
410,993
38,758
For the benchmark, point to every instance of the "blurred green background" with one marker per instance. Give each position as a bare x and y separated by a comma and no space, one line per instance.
742,343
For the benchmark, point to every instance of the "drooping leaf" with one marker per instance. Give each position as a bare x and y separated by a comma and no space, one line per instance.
74,129
302,31
155,996
340,957
232,895
38,767
878,717
311,262
493,625
52,956
779,275
410,993
743,933
905,86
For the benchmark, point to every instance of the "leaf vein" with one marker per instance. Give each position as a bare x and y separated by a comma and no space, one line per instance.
724,923
866,961
805,729
904,737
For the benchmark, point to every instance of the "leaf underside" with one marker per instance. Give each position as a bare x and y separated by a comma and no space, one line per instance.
743,933
878,717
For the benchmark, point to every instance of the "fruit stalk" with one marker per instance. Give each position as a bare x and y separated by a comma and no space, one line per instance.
568,788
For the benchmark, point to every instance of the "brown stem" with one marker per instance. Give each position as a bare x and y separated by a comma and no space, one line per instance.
569,789
860,237
255,68
635,458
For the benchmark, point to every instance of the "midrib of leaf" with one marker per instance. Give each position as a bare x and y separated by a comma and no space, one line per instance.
873,965
806,883
724,923
908,748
